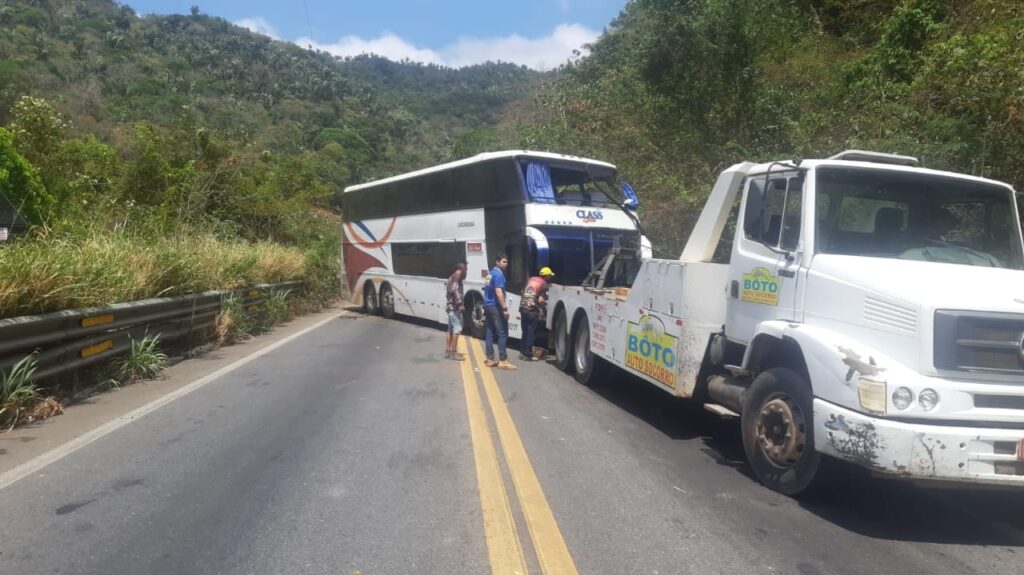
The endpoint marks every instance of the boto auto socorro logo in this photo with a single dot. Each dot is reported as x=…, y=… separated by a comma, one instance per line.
x=651, y=351
x=589, y=216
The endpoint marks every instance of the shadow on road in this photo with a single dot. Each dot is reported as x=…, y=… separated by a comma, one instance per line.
x=849, y=497
x=891, y=509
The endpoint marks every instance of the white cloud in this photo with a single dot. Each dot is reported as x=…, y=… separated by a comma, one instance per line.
x=538, y=53
x=258, y=25
x=388, y=45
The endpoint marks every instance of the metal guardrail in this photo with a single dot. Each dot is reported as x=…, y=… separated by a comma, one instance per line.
x=68, y=340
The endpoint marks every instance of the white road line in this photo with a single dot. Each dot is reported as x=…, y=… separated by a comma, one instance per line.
x=58, y=453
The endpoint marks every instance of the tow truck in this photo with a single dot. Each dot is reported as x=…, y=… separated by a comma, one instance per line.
x=870, y=310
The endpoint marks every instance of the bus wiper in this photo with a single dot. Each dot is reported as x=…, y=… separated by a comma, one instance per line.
x=615, y=198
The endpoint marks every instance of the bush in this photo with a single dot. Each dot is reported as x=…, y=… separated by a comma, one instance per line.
x=17, y=393
x=144, y=360
x=56, y=271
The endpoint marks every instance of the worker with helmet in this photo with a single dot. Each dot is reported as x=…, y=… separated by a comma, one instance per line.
x=532, y=308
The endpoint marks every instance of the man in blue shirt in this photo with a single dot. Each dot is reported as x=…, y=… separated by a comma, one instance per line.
x=496, y=316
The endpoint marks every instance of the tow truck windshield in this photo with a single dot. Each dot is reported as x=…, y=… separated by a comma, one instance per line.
x=911, y=216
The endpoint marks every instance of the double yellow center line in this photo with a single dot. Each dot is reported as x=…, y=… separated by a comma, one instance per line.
x=504, y=548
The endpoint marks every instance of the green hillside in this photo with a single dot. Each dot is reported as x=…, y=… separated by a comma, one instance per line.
x=142, y=130
x=676, y=90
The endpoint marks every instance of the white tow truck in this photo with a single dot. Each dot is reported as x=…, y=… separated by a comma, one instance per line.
x=871, y=310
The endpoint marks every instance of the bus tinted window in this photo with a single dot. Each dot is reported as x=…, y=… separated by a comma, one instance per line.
x=476, y=185
x=429, y=259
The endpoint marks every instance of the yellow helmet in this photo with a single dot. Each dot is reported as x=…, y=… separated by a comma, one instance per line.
x=546, y=272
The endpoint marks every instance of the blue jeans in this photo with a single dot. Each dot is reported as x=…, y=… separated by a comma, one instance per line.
x=496, y=325
x=530, y=320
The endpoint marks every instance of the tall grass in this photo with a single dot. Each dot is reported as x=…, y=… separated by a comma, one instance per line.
x=53, y=271
x=145, y=360
x=17, y=392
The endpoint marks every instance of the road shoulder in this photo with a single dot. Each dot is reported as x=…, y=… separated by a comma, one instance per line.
x=26, y=443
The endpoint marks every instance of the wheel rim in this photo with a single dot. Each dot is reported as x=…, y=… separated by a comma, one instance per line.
x=479, y=319
x=388, y=297
x=583, y=348
x=781, y=430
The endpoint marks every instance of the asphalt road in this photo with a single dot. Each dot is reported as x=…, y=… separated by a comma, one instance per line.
x=352, y=449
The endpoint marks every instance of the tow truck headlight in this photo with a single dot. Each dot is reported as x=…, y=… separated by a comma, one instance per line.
x=872, y=394
x=902, y=398
x=928, y=399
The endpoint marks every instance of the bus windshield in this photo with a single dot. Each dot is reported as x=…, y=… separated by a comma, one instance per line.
x=585, y=185
x=913, y=216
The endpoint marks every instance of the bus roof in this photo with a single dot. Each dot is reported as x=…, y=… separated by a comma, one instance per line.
x=483, y=158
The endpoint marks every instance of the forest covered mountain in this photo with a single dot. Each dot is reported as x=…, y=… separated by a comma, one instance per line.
x=163, y=125
x=121, y=132
x=676, y=90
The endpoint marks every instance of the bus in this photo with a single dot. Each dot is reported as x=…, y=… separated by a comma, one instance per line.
x=403, y=235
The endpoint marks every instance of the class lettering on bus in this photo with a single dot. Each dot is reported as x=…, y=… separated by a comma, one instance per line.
x=402, y=236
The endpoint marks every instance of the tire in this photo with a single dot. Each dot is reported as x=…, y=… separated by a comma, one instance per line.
x=387, y=301
x=561, y=342
x=778, y=431
x=588, y=369
x=474, y=321
x=370, y=306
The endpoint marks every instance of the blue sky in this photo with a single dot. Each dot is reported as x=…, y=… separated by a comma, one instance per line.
x=537, y=33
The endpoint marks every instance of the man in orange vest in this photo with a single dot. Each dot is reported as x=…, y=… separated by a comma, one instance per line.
x=531, y=309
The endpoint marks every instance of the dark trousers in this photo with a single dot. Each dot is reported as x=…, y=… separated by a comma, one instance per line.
x=531, y=318
x=496, y=327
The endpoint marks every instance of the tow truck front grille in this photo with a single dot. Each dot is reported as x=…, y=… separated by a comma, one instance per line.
x=979, y=341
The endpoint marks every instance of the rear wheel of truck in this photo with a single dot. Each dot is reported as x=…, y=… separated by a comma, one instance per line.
x=778, y=431
x=561, y=343
x=387, y=301
x=369, y=299
x=588, y=369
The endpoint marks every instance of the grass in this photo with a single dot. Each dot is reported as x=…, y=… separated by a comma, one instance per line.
x=54, y=272
x=234, y=323
x=17, y=393
x=144, y=360
x=277, y=307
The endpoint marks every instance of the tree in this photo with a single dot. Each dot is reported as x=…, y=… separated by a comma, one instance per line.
x=38, y=127
x=20, y=183
x=194, y=10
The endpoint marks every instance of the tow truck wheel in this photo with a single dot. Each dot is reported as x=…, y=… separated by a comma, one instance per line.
x=562, y=345
x=778, y=431
x=387, y=301
x=369, y=299
x=588, y=369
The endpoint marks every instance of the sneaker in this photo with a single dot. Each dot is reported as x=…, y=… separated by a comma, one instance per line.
x=447, y=354
x=490, y=363
x=457, y=356
x=506, y=364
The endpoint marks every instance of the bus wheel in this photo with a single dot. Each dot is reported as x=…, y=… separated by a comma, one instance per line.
x=778, y=431
x=475, y=320
x=563, y=348
x=369, y=299
x=387, y=301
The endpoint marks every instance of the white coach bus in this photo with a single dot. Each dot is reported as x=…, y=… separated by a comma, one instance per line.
x=403, y=235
